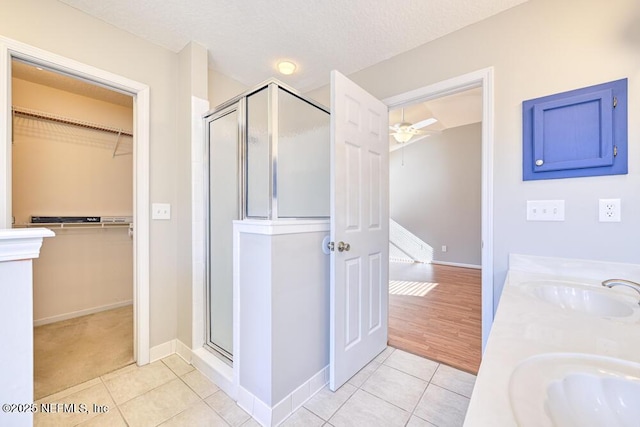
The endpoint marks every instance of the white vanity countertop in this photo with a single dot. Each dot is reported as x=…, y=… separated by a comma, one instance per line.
x=526, y=325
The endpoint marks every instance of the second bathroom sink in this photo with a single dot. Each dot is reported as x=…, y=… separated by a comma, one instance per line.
x=582, y=298
x=575, y=390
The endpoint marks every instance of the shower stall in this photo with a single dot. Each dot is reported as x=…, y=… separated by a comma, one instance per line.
x=267, y=156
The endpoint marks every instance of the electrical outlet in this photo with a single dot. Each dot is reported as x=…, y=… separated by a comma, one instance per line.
x=160, y=211
x=444, y=248
x=610, y=210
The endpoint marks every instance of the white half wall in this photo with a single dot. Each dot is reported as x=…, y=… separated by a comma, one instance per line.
x=17, y=248
x=281, y=323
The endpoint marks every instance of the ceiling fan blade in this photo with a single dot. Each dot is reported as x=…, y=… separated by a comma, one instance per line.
x=424, y=123
x=429, y=132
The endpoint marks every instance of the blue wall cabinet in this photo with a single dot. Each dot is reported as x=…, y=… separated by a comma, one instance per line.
x=578, y=133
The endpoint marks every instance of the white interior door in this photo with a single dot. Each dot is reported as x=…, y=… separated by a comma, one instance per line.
x=359, y=228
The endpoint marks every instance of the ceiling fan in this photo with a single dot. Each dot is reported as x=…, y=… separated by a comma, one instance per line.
x=402, y=132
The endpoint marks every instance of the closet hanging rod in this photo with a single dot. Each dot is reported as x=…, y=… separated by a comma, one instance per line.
x=58, y=119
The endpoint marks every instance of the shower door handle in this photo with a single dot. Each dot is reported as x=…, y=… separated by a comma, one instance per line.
x=342, y=246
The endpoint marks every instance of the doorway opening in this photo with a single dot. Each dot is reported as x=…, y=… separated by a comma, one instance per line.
x=434, y=198
x=472, y=266
x=10, y=50
x=72, y=170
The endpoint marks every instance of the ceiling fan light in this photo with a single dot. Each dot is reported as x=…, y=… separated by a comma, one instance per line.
x=402, y=136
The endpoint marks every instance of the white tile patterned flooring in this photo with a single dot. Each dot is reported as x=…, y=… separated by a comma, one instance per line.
x=395, y=389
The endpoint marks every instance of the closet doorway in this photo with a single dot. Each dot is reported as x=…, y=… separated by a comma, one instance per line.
x=72, y=171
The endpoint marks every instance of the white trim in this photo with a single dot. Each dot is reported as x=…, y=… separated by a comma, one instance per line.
x=273, y=416
x=10, y=48
x=162, y=350
x=170, y=347
x=457, y=264
x=272, y=228
x=17, y=245
x=216, y=370
x=481, y=78
x=183, y=351
x=79, y=313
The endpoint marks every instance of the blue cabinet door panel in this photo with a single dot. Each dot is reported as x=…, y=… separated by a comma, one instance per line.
x=582, y=132
x=574, y=132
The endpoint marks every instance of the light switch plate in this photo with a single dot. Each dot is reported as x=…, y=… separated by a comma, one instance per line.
x=160, y=211
x=545, y=210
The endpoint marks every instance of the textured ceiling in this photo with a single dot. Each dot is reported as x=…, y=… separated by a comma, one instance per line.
x=246, y=39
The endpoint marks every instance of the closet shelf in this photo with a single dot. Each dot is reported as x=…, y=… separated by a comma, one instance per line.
x=25, y=112
x=83, y=225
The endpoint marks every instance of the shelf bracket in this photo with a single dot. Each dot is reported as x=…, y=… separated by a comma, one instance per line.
x=115, y=147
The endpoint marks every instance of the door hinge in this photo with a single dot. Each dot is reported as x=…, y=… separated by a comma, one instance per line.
x=615, y=101
x=615, y=150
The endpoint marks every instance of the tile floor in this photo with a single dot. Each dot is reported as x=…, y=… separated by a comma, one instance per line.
x=396, y=389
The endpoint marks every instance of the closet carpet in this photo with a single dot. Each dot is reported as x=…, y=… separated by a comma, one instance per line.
x=73, y=351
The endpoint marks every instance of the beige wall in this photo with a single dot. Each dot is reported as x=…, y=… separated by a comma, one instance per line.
x=55, y=27
x=66, y=170
x=223, y=88
x=70, y=171
x=539, y=48
x=82, y=271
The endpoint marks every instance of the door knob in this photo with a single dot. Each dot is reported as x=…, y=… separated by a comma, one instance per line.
x=342, y=246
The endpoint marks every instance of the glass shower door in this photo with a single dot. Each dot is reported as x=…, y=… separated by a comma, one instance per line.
x=224, y=201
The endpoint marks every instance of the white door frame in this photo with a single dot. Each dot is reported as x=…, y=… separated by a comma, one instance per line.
x=13, y=49
x=481, y=78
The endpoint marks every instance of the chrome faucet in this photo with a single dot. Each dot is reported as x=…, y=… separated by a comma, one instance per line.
x=621, y=282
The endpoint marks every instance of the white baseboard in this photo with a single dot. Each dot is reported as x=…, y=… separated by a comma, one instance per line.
x=273, y=416
x=457, y=264
x=171, y=347
x=79, y=313
x=184, y=351
x=161, y=351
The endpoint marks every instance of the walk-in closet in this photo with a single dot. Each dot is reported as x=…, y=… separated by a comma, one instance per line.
x=72, y=172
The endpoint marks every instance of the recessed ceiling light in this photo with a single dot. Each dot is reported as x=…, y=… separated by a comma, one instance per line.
x=286, y=67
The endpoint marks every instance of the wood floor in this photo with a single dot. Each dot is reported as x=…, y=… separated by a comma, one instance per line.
x=445, y=324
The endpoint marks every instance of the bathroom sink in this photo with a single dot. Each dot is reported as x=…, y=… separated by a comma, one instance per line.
x=583, y=298
x=565, y=389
